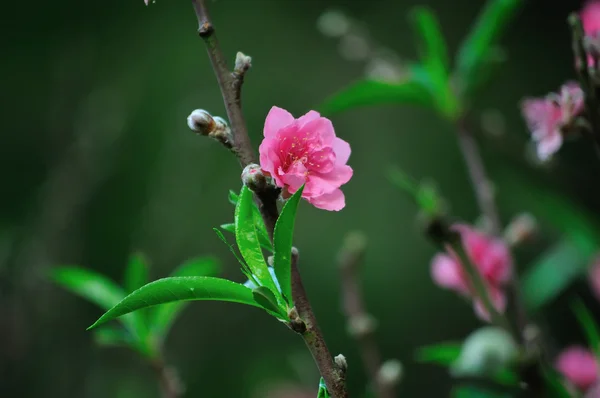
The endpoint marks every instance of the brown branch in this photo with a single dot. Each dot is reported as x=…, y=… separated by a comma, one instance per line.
x=484, y=191
x=334, y=377
x=487, y=205
x=360, y=324
x=230, y=85
x=170, y=384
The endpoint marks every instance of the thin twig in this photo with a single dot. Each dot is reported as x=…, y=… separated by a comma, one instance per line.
x=230, y=84
x=334, y=377
x=360, y=324
x=585, y=79
x=170, y=384
x=487, y=205
x=484, y=191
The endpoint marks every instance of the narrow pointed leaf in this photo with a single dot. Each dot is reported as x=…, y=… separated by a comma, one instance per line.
x=553, y=272
x=136, y=273
x=434, y=57
x=266, y=298
x=261, y=229
x=164, y=316
x=441, y=354
x=476, y=52
x=372, y=92
x=228, y=227
x=588, y=325
x=99, y=290
x=233, y=197
x=248, y=242
x=283, y=237
x=168, y=290
x=323, y=392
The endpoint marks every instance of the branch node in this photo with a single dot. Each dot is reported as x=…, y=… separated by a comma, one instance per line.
x=341, y=363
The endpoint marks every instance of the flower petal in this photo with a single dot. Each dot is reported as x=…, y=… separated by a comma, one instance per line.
x=277, y=119
x=498, y=301
x=342, y=151
x=446, y=272
x=579, y=366
x=333, y=201
x=320, y=127
x=310, y=115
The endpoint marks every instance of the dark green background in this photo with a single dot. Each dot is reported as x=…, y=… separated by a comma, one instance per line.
x=97, y=161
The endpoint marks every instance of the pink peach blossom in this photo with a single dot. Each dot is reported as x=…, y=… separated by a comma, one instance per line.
x=306, y=151
x=579, y=366
x=590, y=17
x=491, y=258
x=547, y=117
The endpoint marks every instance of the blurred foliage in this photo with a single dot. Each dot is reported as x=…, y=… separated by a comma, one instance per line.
x=105, y=167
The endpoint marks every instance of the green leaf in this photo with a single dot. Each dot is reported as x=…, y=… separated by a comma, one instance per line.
x=373, y=92
x=261, y=229
x=163, y=316
x=588, y=324
x=233, y=197
x=476, y=392
x=266, y=298
x=107, y=336
x=228, y=227
x=282, y=242
x=476, y=54
x=101, y=291
x=323, y=392
x=554, y=384
x=434, y=57
x=168, y=290
x=248, y=242
x=553, y=272
x=444, y=354
x=136, y=273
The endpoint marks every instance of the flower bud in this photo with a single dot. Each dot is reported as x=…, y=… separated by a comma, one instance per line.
x=201, y=122
x=521, y=229
x=362, y=325
x=253, y=178
x=340, y=361
x=390, y=372
x=243, y=62
x=485, y=352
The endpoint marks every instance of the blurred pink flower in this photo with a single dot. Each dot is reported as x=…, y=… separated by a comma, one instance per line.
x=306, y=151
x=579, y=366
x=590, y=17
x=546, y=117
x=489, y=255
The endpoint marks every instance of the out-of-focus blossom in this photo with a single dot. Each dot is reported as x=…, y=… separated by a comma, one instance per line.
x=490, y=256
x=594, y=276
x=306, y=151
x=579, y=366
x=548, y=117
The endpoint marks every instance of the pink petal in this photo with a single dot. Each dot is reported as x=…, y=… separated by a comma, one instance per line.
x=590, y=17
x=310, y=115
x=549, y=145
x=269, y=161
x=447, y=273
x=342, y=150
x=333, y=201
x=295, y=177
x=276, y=119
x=320, y=127
x=326, y=183
x=498, y=301
x=579, y=366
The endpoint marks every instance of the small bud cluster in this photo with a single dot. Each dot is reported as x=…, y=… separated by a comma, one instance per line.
x=203, y=123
